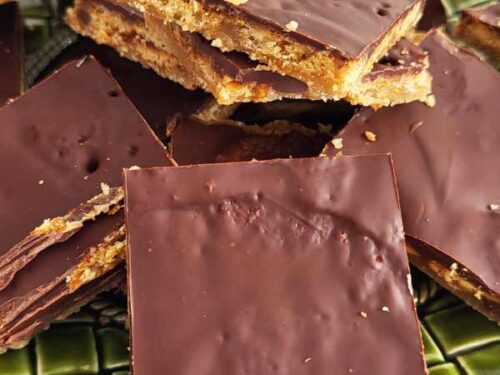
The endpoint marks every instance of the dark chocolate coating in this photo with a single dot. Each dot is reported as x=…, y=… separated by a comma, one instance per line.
x=446, y=159
x=269, y=268
x=156, y=98
x=194, y=142
x=10, y=52
x=434, y=15
x=489, y=15
x=58, y=142
x=349, y=26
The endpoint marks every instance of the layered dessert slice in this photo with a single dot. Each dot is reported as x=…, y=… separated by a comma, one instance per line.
x=481, y=28
x=291, y=266
x=11, y=51
x=233, y=77
x=444, y=158
x=64, y=146
x=329, y=45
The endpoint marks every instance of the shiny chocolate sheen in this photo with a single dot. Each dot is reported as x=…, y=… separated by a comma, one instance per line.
x=349, y=26
x=10, y=52
x=277, y=267
x=490, y=15
x=194, y=142
x=446, y=158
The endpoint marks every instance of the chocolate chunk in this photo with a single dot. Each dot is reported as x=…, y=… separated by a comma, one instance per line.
x=286, y=266
x=445, y=159
x=10, y=51
x=434, y=15
x=195, y=142
x=59, y=143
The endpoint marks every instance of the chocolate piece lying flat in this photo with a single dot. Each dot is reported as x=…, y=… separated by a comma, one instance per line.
x=59, y=143
x=10, y=51
x=291, y=266
x=481, y=28
x=156, y=98
x=195, y=142
x=445, y=159
x=232, y=77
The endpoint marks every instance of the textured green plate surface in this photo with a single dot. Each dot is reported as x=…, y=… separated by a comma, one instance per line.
x=458, y=341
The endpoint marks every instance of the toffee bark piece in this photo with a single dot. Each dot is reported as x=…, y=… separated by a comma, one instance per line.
x=231, y=77
x=10, y=51
x=283, y=265
x=64, y=145
x=481, y=28
x=312, y=41
x=195, y=142
x=444, y=158
x=156, y=98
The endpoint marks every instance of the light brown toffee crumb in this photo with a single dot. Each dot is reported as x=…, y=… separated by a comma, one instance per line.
x=292, y=26
x=237, y=2
x=385, y=309
x=337, y=143
x=372, y=137
x=363, y=314
x=307, y=360
x=494, y=207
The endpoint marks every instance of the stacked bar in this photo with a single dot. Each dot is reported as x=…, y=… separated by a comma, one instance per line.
x=10, y=51
x=64, y=145
x=248, y=53
x=481, y=28
x=443, y=158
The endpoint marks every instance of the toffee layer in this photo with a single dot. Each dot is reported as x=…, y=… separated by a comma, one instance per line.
x=480, y=27
x=309, y=40
x=231, y=77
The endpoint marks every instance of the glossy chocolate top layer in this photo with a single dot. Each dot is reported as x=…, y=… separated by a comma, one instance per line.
x=10, y=52
x=291, y=267
x=489, y=15
x=445, y=158
x=194, y=142
x=61, y=140
x=156, y=98
x=349, y=26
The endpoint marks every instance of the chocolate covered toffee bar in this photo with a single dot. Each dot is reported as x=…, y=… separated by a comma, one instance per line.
x=329, y=45
x=288, y=266
x=64, y=145
x=194, y=142
x=233, y=77
x=446, y=160
x=481, y=27
x=10, y=51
